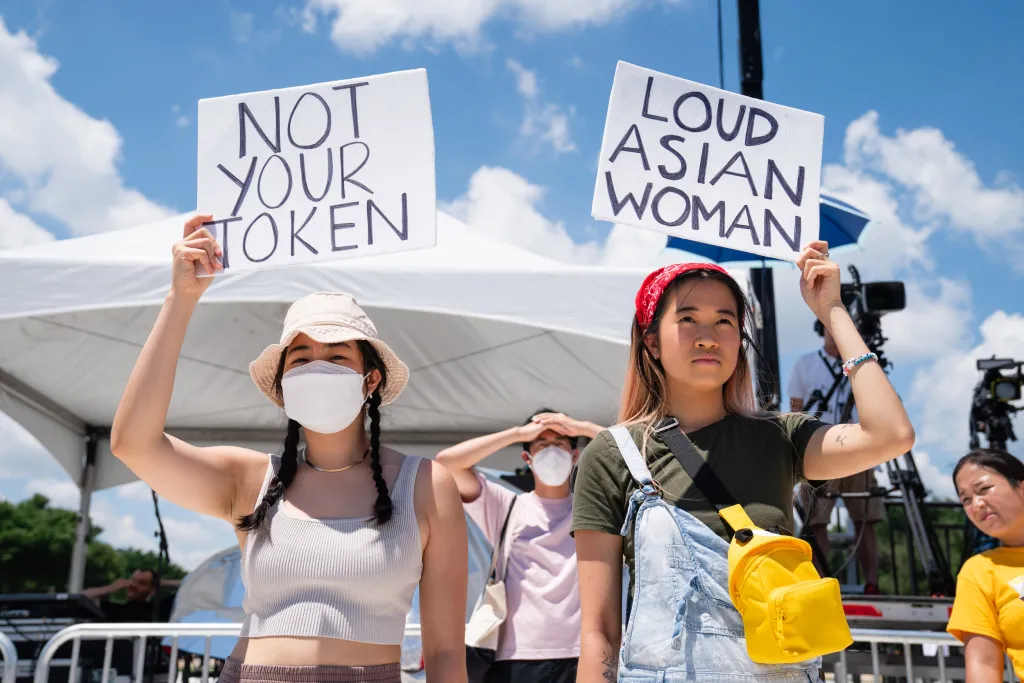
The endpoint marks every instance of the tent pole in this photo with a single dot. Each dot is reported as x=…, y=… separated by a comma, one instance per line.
x=76, y=580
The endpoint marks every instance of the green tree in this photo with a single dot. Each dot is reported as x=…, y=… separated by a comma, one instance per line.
x=36, y=541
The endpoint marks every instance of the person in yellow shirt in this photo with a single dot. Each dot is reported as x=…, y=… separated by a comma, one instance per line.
x=988, y=612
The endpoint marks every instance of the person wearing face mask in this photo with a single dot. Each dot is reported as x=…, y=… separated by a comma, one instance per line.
x=988, y=611
x=539, y=640
x=337, y=531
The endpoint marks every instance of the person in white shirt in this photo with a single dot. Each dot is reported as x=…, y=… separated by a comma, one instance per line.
x=817, y=386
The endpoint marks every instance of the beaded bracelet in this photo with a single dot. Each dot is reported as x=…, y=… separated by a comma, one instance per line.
x=849, y=365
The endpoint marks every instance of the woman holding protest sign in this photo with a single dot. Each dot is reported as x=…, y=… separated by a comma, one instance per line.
x=691, y=443
x=338, y=530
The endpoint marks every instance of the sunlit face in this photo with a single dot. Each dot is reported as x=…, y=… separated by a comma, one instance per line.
x=140, y=586
x=698, y=339
x=991, y=502
x=304, y=350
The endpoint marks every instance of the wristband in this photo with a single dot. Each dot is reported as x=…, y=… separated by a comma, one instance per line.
x=849, y=365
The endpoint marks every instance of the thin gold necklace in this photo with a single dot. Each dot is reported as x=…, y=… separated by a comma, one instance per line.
x=334, y=469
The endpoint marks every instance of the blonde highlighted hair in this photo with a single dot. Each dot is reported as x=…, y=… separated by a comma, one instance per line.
x=645, y=391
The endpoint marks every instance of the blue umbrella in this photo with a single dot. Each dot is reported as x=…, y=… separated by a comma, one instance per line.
x=842, y=225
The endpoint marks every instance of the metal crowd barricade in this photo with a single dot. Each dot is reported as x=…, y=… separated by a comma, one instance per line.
x=10, y=659
x=907, y=639
x=141, y=632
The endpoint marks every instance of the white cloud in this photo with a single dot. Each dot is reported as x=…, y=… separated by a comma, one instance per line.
x=944, y=184
x=506, y=206
x=241, y=25
x=181, y=121
x=930, y=325
x=943, y=390
x=576, y=62
x=18, y=230
x=542, y=121
x=137, y=491
x=939, y=483
x=64, y=160
x=362, y=26
x=61, y=492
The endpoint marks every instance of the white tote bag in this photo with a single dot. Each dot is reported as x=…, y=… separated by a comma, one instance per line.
x=491, y=608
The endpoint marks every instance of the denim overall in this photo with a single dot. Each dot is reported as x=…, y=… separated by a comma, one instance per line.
x=682, y=625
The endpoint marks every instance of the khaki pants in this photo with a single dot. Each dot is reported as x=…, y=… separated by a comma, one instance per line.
x=819, y=509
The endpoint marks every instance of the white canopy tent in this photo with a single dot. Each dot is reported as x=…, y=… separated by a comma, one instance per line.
x=490, y=333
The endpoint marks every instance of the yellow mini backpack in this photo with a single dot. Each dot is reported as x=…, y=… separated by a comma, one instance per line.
x=790, y=614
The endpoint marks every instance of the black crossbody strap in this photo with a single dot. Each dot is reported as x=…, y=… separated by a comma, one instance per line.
x=498, y=546
x=700, y=472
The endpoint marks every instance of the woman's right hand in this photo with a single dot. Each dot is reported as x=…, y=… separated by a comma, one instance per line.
x=197, y=246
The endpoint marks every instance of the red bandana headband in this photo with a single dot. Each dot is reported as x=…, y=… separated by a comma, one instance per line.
x=655, y=284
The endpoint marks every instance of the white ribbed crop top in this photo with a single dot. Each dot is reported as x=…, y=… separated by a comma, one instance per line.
x=334, y=578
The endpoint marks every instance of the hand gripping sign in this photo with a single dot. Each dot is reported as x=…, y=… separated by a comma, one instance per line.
x=328, y=171
x=709, y=165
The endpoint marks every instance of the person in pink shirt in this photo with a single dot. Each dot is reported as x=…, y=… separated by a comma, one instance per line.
x=540, y=639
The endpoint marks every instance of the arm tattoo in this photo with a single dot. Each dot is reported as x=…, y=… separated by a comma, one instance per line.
x=841, y=438
x=611, y=665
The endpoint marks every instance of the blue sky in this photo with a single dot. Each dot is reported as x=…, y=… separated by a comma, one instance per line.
x=921, y=101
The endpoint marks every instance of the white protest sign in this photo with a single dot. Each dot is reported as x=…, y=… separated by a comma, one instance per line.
x=709, y=165
x=326, y=171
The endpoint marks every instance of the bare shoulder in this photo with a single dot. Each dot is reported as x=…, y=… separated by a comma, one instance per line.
x=435, y=488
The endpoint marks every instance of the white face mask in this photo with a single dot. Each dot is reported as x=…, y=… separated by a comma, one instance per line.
x=552, y=465
x=322, y=396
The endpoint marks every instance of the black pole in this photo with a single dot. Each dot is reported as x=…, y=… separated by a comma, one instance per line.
x=751, y=78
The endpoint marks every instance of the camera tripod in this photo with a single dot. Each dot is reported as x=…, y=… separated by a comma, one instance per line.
x=904, y=478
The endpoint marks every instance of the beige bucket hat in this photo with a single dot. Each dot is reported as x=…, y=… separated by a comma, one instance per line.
x=329, y=318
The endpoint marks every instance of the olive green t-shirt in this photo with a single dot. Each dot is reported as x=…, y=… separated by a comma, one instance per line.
x=758, y=460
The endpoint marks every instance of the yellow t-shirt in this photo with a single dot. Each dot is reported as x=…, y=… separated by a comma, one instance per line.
x=990, y=601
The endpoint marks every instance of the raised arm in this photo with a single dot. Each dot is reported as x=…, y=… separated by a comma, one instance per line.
x=444, y=578
x=599, y=558
x=460, y=458
x=884, y=431
x=204, y=480
x=103, y=591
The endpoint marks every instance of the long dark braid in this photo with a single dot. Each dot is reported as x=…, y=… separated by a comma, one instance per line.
x=383, y=508
x=281, y=481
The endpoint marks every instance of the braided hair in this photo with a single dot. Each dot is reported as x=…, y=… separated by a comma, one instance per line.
x=383, y=508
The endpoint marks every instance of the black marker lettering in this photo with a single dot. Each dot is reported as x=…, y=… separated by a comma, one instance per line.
x=295, y=233
x=702, y=171
x=774, y=172
x=336, y=226
x=647, y=101
x=244, y=113
x=351, y=87
x=655, y=211
x=223, y=240
x=707, y=112
x=305, y=184
x=773, y=128
x=674, y=175
x=245, y=238
x=617, y=206
x=700, y=212
x=770, y=221
x=746, y=171
x=403, y=234
x=639, y=149
x=731, y=135
x=327, y=125
x=347, y=177
x=259, y=183
x=749, y=225
x=242, y=184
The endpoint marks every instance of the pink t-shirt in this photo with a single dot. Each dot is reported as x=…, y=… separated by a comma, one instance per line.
x=541, y=582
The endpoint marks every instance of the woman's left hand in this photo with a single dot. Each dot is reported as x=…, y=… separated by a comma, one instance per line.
x=819, y=281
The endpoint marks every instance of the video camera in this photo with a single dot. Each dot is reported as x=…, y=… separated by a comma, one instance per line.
x=991, y=410
x=867, y=302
